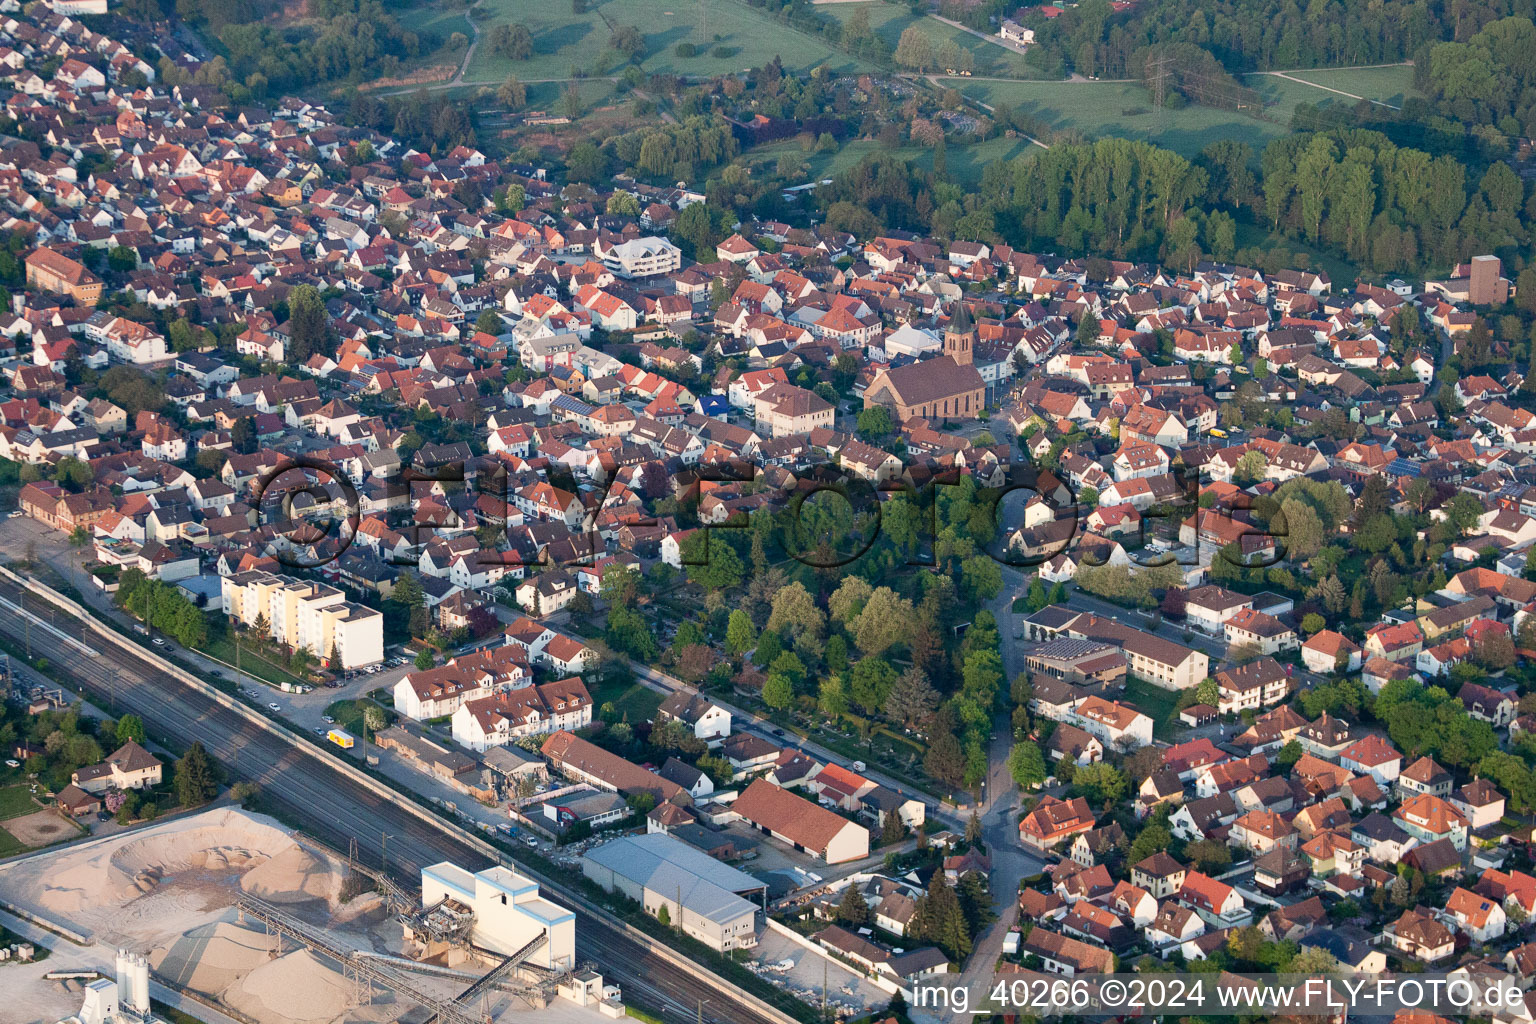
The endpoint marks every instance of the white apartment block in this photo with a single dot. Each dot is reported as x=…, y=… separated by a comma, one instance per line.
x=315, y=617
x=642, y=257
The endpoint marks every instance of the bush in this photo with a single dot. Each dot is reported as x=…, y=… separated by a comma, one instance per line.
x=686, y=50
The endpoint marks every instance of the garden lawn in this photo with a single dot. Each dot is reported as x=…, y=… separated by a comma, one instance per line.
x=635, y=703
x=16, y=801
x=10, y=845
x=1154, y=702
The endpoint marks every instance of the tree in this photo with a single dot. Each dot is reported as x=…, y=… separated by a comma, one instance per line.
x=740, y=634
x=1026, y=764
x=1313, y=960
x=940, y=919
x=1313, y=623
x=871, y=682
x=1289, y=755
x=778, y=691
x=512, y=94
x=848, y=600
x=490, y=322
x=623, y=204
x=853, y=909
x=722, y=568
x=875, y=423
x=664, y=915
x=912, y=698
x=1209, y=855
x=515, y=42
x=1208, y=692
x=832, y=697
x=1154, y=837
x=308, y=322
x=914, y=49
x=373, y=721
x=130, y=729
x=885, y=621
x=425, y=659
x=1101, y=782
x=197, y=779
x=945, y=760
x=795, y=609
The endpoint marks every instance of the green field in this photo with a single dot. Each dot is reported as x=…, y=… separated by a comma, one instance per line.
x=10, y=845
x=251, y=663
x=16, y=801
x=1390, y=84
x=567, y=44
x=1123, y=109
x=965, y=162
x=889, y=21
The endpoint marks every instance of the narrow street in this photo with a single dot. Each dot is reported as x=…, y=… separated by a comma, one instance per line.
x=1001, y=802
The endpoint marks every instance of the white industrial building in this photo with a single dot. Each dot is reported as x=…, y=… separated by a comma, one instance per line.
x=705, y=898
x=121, y=1001
x=509, y=913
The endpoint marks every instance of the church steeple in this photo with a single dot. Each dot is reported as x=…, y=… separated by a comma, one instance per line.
x=960, y=335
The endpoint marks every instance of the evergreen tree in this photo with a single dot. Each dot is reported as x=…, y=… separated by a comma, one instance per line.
x=893, y=831
x=853, y=909
x=940, y=919
x=197, y=779
x=975, y=901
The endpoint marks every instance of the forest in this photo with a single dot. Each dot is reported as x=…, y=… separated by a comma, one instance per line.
x=1254, y=35
x=1386, y=207
x=339, y=40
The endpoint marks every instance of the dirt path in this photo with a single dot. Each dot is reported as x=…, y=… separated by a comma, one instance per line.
x=474, y=41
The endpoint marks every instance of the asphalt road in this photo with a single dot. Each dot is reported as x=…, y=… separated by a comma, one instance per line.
x=335, y=810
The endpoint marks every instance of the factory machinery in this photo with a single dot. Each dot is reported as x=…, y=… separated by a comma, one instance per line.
x=447, y=925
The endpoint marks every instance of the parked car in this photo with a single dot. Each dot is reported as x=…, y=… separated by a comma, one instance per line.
x=16, y=514
x=11, y=762
x=531, y=842
x=327, y=719
x=274, y=706
x=158, y=641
